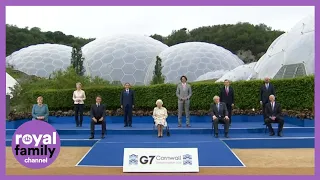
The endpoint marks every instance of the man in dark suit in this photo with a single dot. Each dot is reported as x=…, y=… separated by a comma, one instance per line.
x=127, y=104
x=266, y=90
x=274, y=115
x=98, y=113
x=227, y=96
x=219, y=114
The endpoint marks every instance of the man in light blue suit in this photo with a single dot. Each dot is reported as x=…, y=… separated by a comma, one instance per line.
x=184, y=93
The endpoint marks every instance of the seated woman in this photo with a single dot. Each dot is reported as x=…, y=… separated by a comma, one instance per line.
x=160, y=115
x=40, y=111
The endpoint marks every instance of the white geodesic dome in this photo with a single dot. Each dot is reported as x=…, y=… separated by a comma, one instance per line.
x=194, y=59
x=212, y=75
x=125, y=58
x=41, y=60
x=291, y=54
x=243, y=72
x=10, y=83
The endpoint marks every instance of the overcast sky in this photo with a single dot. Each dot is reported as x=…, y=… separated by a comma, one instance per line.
x=93, y=22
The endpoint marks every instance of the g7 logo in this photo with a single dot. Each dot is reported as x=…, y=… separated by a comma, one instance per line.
x=146, y=159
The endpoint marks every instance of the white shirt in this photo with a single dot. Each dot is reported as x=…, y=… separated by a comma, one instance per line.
x=267, y=85
x=79, y=97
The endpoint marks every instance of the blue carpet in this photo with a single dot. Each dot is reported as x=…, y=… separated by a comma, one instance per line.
x=244, y=120
x=212, y=152
x=242, y=141
x=245, y=132
x=270, y=143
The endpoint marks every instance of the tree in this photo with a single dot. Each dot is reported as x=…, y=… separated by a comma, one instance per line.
x=157, y=37
x=77, y=60
x=158, y=78
x=18, y=38
x=246, y=56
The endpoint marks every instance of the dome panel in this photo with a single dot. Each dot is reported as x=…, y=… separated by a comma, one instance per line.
x=211, y=75
x=243, y=72
x=198, y=57
x=119, y=51
x=291, y=54
x=10, y=83
x=41, y=60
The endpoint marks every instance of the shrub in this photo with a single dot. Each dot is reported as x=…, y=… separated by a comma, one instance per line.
x=294, y=94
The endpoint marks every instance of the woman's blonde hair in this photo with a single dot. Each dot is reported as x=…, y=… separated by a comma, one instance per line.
x=79, y=84
x=159, y=101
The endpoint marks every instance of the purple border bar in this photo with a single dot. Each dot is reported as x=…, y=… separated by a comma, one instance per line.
x=160, y=3
x=147, y=3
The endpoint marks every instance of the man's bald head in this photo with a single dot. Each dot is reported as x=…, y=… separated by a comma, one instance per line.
x=266, y=80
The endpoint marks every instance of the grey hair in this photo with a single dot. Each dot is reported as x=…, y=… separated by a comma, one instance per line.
x=216, y=97
x=159, y=101
x=272, y=96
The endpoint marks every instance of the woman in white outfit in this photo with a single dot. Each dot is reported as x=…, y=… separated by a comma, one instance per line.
x=160, y=115
x=78, y=97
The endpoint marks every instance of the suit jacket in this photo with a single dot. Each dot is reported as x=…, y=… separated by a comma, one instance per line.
x=98, y=112
x=277, y=111
x=227, y=98
x=223, y=111
x=265, y=93
x=183, y=92
x=127, y=99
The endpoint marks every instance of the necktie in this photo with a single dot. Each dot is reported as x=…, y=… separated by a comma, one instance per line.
x=227, y=90
x=97, y=105
x=273, y=106
x=127, y=91
x=267, y=86
x=218, y=107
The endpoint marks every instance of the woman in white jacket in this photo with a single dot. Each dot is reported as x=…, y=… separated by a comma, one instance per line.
x=78, y=97
x=160, y=115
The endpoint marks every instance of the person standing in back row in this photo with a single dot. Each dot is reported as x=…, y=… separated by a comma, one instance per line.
x=227, y=96
x=127, y=104
x=78, y=97
x=184, y=94
x=266, y=90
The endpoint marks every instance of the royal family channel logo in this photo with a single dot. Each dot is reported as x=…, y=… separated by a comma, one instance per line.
x=36, y=144
x=187, y=159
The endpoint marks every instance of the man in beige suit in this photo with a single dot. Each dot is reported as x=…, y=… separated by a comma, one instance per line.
x=184, y=94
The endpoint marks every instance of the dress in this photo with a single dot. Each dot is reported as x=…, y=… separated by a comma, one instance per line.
x=160, y=115
x=40, y=111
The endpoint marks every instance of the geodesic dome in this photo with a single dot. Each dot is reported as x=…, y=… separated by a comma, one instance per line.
x=243, y=72
x=124, y=58
x=194, y=59
x=211, y=75
x=41, y=60
x=10, y=83
x=291, y=54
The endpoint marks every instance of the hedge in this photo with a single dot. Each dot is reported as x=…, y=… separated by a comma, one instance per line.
x=293, y=94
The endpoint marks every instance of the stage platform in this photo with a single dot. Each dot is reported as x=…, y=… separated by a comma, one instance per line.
x=212, y=152
x=246, y=132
